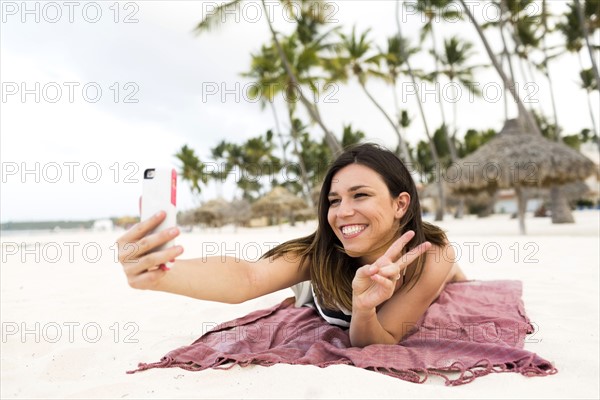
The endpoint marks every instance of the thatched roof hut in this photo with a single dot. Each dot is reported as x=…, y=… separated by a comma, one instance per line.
x=239, y=212
x=212, y=213
x=277, y=202
x=516, y=158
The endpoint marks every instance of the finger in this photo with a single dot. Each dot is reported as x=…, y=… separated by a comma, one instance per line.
x=413, y=254
x=382, y=280
x=142, y=228
x=152, y=260
x=390, y=271
x=150, y=242
x=140, y=205
x=395, y=250
x=132, y=251
x=366, y=270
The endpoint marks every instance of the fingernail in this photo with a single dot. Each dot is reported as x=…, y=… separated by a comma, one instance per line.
x=173, y=231
x=158, y=214
x=164, y=267
x=173, y=260
x=373, y=268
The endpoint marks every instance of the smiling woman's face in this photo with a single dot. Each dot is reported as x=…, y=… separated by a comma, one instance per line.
x=362, y=213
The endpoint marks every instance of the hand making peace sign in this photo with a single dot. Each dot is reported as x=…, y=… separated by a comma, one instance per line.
x=375, y=283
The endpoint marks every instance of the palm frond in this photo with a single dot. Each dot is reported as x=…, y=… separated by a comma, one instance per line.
x=215, y=18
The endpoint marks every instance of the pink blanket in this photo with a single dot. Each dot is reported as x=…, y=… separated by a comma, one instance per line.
x=473, y=328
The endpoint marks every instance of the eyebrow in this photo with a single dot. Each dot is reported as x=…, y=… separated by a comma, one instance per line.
x=352, y=189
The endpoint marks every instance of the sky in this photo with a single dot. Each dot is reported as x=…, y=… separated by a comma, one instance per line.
x=95, y=92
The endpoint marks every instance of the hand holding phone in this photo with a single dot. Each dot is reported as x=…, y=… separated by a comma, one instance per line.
x=159, y=193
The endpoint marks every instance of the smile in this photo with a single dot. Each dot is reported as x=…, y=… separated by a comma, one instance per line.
x=350, y=231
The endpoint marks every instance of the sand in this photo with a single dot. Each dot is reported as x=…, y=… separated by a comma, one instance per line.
x=71, y=326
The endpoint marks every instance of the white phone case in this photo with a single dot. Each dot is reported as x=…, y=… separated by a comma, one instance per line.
x=160, y=193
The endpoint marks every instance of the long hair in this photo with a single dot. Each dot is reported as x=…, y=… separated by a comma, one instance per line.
x=331, y=269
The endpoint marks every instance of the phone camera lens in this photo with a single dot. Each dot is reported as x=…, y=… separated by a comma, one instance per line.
x=149, y=173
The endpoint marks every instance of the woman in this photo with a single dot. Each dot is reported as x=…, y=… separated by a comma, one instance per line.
x=374, y=266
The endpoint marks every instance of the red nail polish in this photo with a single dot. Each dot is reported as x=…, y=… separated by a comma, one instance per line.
x=164, y=267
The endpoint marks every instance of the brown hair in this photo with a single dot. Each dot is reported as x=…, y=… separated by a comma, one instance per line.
x=331, y=269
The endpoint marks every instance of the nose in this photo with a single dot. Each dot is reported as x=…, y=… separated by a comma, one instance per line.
x=345, y=209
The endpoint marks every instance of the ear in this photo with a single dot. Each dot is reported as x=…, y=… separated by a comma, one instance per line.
x=401, y=204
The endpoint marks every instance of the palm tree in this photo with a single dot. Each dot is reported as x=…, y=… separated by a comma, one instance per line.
x=544, y=66
x=508, y=82
x=455, y=55
x=394, y=62
x=265, y=86
x=571, y=30
x=297, y=129
x=439, y=214
x=589, y=84
x=192, y=169
x=524, y=32
x=432, y=10
x=354, y=58
x=219, y=155
x=219, y=14
x=593, y=7
x=302, y=57
x=453, y=59
x=332, y=141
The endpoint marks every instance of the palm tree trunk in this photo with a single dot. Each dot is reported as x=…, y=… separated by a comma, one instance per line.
x=547, y=70
x=507, y=81
x=522, y=207
x=439, y=214
x=506, y=53
x=584, y=31
x=490, y=205
x=279, y=134
x=445, y=129
x=508, y=58
x=401, y=142
x=522, y=60
x=303, y=175
x=505, y=98
x=437, y=72
x=460, y=210
x=405, y=155
x=331, y=140
x=561, y=212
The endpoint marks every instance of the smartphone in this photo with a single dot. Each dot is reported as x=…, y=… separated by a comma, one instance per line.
x=159, y=192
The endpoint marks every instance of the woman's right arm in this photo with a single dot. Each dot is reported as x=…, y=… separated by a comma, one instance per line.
x=222, y=279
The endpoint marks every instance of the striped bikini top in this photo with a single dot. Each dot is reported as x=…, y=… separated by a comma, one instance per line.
x=340, y=318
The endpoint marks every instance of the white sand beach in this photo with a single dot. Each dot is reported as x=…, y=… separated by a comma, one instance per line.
x=71, y=326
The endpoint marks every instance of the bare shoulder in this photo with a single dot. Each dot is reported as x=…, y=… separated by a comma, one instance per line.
x=440, y=257
x=437, y=271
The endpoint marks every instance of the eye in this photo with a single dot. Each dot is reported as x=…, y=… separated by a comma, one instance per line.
x=357, y=195
x=333, y=201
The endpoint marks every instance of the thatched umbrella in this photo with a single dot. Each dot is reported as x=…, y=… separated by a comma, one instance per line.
x=212, y=213
x=238, y=212
x=277, y=202
x=517, y=159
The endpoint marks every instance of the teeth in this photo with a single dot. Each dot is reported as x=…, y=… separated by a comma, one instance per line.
x=353, y=229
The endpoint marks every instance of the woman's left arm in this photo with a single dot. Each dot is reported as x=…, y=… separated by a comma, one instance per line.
x=399, y=315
